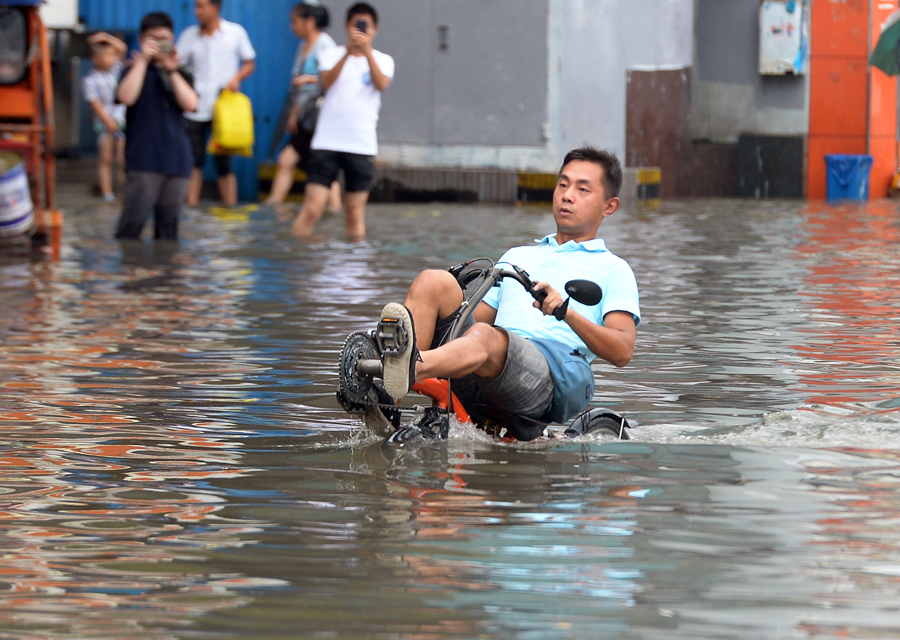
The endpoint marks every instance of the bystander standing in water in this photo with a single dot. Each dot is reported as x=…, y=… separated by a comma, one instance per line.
x=307, y=23
x=158, y=157
x=353, y=77
x=220, y=56
x=99, y=88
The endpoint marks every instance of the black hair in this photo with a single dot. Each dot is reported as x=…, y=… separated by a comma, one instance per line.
x=217, y=3
x=320, y=13
x=362, y=8
x=155, y=20
x=612, y=168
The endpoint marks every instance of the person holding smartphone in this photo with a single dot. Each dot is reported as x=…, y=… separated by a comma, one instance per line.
x=156, y=92
x=353, y=77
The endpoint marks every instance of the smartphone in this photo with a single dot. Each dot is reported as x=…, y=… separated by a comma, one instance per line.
x=165, y=46
x=362, y=25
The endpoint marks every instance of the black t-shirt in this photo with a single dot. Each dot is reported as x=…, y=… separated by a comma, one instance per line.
x=155, y=138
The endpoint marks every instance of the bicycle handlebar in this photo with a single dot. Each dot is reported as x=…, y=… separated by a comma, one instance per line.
x=496, y=275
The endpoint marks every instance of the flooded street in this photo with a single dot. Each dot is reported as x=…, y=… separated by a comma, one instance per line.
x=174, y=463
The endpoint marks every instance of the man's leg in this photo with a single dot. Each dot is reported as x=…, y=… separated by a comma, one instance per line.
x=140, y=196
x=322, y=170
x=524, y=386
x=355, y=213
x=509, y=371
x=284, y=176
x=227, y=181
x=334, y=197
x=198, y=132
x=168, y=208
x=433, y=296
x=228, y=189
x=481, y=350
x=358, y=173
x=314, y=198
x=195, y=186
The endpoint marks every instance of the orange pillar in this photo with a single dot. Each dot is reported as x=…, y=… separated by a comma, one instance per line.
x=882, y=112
x=852, y=107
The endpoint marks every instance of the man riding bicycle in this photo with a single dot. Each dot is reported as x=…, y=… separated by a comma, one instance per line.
x=523, y=356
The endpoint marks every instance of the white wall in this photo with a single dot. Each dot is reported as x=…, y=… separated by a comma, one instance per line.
x=590, y=46
x=60, y=14
x=597, y=42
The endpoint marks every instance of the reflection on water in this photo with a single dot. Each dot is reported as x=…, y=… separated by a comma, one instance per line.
x=173, y=462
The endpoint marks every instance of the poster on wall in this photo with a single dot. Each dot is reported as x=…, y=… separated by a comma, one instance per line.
x=782, y=38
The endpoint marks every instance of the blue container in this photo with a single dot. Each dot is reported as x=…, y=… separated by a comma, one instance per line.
x=848, y=176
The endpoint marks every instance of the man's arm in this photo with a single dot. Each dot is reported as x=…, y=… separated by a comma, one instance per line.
x=130, y=86
x=247, y=67
x=361, y=42
x=247, y=55
x=379, y=80
x=184, y=93
x=613, y=340
x=484, y=313
x=329, y=77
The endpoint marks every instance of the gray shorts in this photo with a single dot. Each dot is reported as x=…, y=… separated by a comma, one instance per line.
x=524, y=387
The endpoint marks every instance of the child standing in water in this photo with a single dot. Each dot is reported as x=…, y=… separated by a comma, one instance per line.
x=99, y=87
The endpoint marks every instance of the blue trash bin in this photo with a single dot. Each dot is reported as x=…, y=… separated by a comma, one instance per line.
x=848, y=176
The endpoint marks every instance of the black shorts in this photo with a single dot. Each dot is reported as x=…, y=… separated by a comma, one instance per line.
x=198, y=132
x=324, y=166
x=301, y=141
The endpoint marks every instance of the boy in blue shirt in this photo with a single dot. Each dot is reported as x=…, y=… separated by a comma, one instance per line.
x=497, y=361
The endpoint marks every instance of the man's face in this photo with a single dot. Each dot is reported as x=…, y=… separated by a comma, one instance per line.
x=205, y=11
x=579, y=199
x=370, y=29
x=162, y=35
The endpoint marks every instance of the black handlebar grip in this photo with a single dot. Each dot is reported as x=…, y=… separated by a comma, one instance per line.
x=560, y=312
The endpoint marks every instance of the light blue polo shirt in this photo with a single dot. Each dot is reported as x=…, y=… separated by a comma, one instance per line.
x=549, y=262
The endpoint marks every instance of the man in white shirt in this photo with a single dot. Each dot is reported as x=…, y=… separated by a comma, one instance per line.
x=220, y=56
x=353, y=78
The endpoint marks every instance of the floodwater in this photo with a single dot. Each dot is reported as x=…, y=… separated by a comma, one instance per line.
x=173, y=462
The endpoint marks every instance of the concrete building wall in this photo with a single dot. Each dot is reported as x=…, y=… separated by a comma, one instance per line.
x=598, y=42
x=729, y=96
x=470, y=88
x=513, y=84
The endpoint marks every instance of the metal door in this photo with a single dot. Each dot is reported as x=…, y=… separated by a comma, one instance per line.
x=490, y=72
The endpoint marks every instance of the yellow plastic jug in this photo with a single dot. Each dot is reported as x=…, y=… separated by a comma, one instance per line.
x=232, y=127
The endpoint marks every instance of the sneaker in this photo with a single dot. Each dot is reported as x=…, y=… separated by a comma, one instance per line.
x=396, y=338
x=108, y=197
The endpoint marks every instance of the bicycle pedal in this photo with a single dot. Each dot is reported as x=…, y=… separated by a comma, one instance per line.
x=391, y=337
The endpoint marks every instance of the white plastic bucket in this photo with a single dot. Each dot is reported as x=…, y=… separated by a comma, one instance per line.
x=16, y=208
